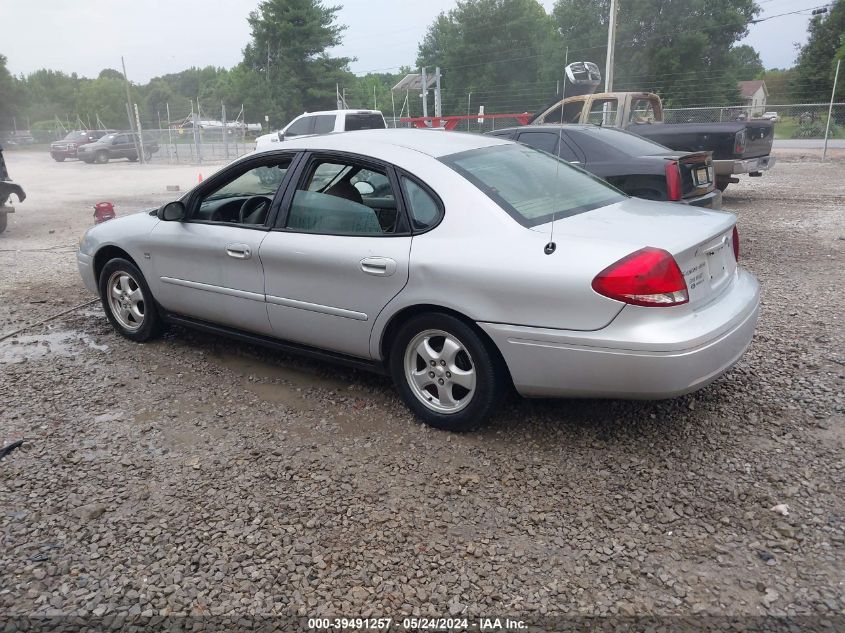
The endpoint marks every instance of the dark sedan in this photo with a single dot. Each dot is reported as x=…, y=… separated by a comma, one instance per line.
x=637, y=166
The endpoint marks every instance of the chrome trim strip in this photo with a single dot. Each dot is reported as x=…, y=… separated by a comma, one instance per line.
x=232, y=292
x=316, y=307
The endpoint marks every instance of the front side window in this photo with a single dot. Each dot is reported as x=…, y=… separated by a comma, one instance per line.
x=300, y=126
x=324, y=123
x=533, y=187
x=346, y=198
x=642, y=111
x=246, y=198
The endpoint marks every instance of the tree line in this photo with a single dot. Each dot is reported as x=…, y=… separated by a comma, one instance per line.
x=506, y=54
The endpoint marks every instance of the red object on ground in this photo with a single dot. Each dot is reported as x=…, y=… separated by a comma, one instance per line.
x=103, y=211
x=451, y=122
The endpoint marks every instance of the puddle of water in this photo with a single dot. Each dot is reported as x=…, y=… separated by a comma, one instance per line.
x=64, y=343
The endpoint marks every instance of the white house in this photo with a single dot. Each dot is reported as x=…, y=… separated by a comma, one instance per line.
x=754, y=95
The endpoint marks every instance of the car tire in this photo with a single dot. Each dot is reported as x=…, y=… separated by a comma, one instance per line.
x=59, y=159
x=722, y=183
x=101, y=157
x=4, y=220
x=147, y=156
x=428, y=380
x=135, y=316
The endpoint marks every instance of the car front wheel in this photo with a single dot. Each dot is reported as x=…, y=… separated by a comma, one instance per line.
x=446, y=373
x=128, y=302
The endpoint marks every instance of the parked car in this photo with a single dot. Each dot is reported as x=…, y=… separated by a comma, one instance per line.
x=738, y=147
x=324, y=122
x=637, y=166
x=7, y=188
x=68, y=147
x=117, y=145
x=429, y=256
x=774, y=117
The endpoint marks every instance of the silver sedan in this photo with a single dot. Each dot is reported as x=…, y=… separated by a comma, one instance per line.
x=462, y=265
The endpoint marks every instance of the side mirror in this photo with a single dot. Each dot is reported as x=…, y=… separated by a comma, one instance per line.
x=172, y=212
x=364, y=188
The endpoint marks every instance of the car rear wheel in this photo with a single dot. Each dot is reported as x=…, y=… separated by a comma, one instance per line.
x=722, y=183
x=59, y=159
x=446, y=373
x=4, y=218
x=128, y=302
x=101, y=157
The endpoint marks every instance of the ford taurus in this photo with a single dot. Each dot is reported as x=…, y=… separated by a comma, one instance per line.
x=459, y=264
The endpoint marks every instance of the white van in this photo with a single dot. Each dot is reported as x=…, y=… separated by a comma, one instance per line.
x=324, y=122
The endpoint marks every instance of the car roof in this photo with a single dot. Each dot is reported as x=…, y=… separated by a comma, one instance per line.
x=356, y=111
x=435, y=143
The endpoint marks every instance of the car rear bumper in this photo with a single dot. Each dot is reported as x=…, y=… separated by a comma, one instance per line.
x=645, y=353
x=712, y=200
x=85, y=263
x=747, y=166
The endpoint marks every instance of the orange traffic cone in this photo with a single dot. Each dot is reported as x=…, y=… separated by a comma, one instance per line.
x=199, y=177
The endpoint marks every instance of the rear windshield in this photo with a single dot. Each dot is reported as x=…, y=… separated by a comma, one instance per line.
x=364, y=122
x=624, y=142
x=532, y=186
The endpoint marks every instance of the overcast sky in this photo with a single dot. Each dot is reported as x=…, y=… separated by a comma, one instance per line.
x=158, y=37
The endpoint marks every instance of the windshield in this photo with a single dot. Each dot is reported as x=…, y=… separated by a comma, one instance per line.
x=76, y=136
x=107, y=138
x=532, y=186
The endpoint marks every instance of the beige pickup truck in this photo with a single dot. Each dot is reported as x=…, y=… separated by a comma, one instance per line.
x=738, y=147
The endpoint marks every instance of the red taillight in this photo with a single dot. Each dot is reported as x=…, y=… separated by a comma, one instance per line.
x=735, y=242
x=673, y=180
x=649, y=277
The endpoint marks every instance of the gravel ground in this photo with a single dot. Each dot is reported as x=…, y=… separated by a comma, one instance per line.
x=199, y=476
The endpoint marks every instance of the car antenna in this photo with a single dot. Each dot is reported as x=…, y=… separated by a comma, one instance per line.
x=551, y=247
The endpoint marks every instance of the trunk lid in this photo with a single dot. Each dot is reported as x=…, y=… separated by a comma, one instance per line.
x=697, y=178
x=698, y=239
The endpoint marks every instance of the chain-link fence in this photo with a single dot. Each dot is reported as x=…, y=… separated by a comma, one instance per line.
x=803, y=120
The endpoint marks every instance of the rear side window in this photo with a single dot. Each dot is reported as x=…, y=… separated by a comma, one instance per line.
x=424, y=209
x=324, y=123
x=533, y=187
x=620, y=141
x=364, y=122
x=544, y=141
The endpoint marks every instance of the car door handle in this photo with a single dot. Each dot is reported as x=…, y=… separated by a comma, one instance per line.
x=238, y=251
x=382, y=266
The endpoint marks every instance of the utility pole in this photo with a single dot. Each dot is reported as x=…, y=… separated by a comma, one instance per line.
x=830, y=109
x=438, y=109
x=424, y=92
x=140, y=141
x=611, y=44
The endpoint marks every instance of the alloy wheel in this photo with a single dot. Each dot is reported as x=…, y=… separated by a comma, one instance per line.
x=440, y=371
x=126, y=300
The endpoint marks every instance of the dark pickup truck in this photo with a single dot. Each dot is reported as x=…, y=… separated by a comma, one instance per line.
x=738, y=147
x=7, y=188
x=116, y=145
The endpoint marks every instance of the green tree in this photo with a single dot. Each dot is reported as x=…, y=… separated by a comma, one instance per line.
x=680, y=49
x=496, y=49
x=10, y=96
x=105, y=98
x=745, y=62
x=288, y=50
x=817, y=60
